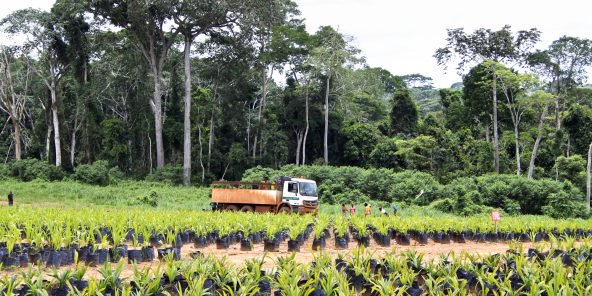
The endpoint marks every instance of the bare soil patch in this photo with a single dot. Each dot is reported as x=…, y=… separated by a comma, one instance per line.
x=431, y=251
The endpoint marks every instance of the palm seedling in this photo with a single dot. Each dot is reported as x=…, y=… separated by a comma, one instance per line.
x=111, y=278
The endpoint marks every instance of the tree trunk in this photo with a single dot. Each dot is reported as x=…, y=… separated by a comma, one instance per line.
x=535, y=149
x=589, y=179
x=211, y=140
x=203, y=170
x=307, y=126
x=557, y=121
x=17, y=138
x=157, y=111
x=495, y=131
x=48, y=140
x=487, y=134
x=517, y=143
x=150, y=152
x=56, y=127
x=299, y=136
x=326, y=136
x=73, y=146
x=187, y=119
x=260, y=113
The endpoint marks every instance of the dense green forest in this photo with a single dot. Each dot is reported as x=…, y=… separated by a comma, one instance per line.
x=192, y=92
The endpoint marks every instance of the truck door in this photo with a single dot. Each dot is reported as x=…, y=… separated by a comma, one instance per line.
x=291, y=191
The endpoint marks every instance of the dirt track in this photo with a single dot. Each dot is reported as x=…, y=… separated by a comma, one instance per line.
x=431, y=251
x=236, y=256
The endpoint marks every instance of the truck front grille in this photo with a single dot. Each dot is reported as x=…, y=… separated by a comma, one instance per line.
x=310, y=204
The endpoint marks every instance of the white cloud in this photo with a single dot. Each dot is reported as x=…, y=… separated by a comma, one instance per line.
x=9, y=6
x=401, y=36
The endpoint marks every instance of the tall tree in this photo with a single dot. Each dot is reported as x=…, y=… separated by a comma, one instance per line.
x=263, y=24
x=14, y=90
x=76, y=30
x=150, y=22
x=514, y=87
x=541, y=101
x=484, y=44
x=331, y=55
x=404, y=114
x=46, y=47
x=564, y=65
x=195, y=18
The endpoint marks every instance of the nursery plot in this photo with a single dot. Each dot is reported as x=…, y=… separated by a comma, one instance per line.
x=561, y=269
x=150, y=252
x=59, y=237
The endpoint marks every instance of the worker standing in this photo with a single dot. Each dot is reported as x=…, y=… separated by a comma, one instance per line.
x=343, y=210
x=352, y=210
x=10, y=198
x=395, y=209
x=264, y=187
x=367, y=209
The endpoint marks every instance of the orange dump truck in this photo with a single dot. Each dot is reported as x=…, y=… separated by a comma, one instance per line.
x=288, y=195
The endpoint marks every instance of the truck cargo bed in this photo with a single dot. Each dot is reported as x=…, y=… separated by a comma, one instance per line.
x=246, y=196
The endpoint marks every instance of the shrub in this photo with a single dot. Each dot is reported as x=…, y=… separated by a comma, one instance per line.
x=564, y=205
x=169, y=173
x=31, y=169
x=445, y=205
x=352, y=196
x=150, y=199
x=115, y=175
x=414, y=187
x=96, y=173
x=464, y=196
x=258, y=173
x=4, y=171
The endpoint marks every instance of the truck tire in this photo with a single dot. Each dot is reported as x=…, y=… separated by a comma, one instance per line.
x=231, y=208
x=247, y=209
x=285, y=210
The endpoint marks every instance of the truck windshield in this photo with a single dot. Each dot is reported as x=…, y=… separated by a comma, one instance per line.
x=308, y=189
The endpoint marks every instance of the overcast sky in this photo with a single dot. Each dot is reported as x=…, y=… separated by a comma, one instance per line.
x=401, y=36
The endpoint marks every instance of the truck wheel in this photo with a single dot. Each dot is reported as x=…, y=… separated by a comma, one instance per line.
x=285, y=210
x=232, y=208
x=247, y=209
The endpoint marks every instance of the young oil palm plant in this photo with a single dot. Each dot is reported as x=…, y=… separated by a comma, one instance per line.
x=292, y=283
x=111, y=277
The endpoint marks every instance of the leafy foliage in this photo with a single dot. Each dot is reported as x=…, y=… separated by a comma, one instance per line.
x=31, y=169
x=96, y=173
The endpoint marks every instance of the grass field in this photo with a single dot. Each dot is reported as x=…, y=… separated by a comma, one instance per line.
x=124, y=194
x=128, y=193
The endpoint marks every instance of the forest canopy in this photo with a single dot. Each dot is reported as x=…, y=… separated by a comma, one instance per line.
x=192, y=91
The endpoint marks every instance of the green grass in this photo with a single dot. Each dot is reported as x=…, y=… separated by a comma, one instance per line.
x=72, y=194
x=124, y=194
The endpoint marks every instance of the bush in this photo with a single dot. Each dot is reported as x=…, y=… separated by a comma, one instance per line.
x=96, y=173
x=169, y=174
x=151, y=199
x=115, y=175
x=564, y=205
x=4, y=171
x=31, y=169
x=258, y=173
x=507, y=192
x=414, y=187
x=445, y=205
x=354, y=184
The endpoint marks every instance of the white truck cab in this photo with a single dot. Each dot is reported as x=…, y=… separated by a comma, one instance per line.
x=301, y=194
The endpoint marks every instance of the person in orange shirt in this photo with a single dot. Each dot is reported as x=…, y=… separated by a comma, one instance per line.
x=264, y=186
x=367, y=209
